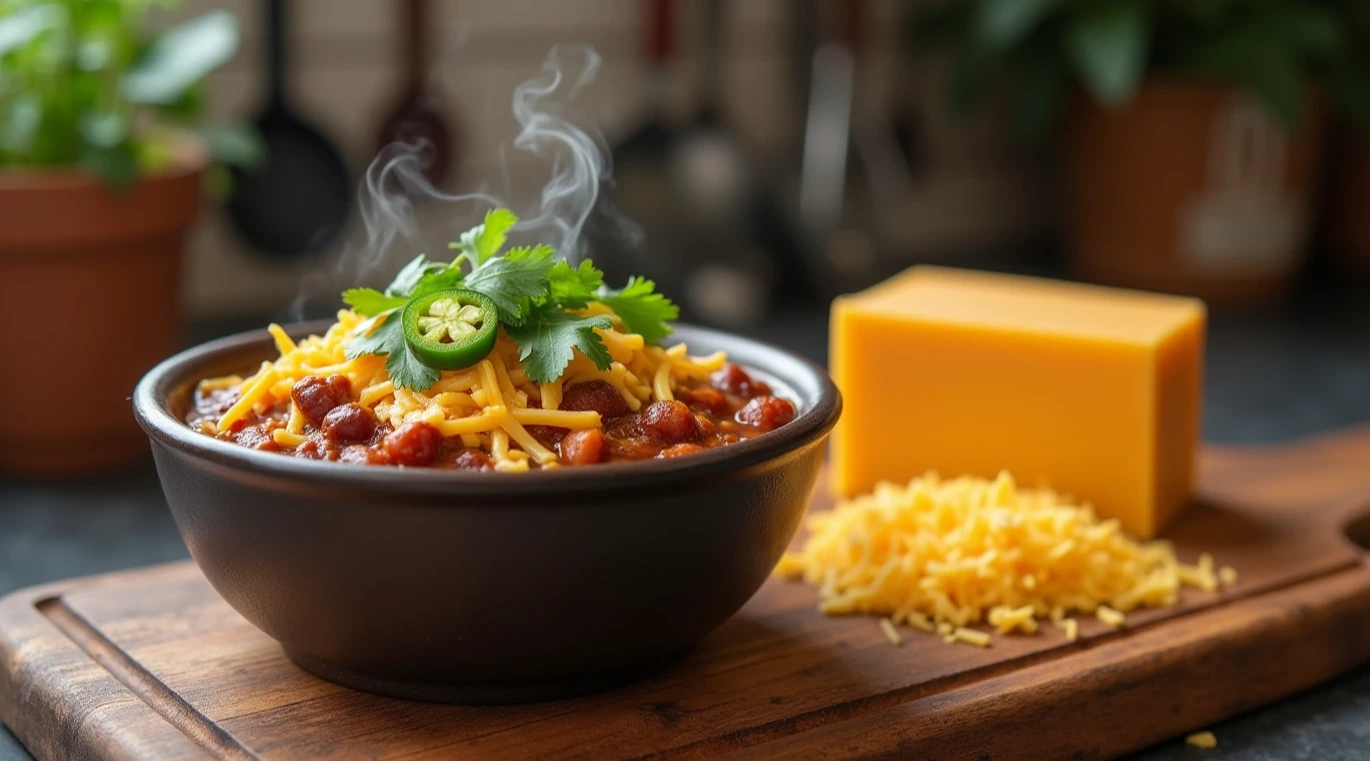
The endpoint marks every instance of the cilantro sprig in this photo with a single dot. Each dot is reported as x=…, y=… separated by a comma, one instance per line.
x=534, y=294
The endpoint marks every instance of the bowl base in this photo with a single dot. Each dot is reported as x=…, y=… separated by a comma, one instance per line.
x=483, y=694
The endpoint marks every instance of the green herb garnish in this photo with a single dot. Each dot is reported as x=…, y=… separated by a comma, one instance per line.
x=531, y=292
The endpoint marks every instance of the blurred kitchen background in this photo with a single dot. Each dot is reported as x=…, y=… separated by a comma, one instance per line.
x=766, y=156
x=914, y=183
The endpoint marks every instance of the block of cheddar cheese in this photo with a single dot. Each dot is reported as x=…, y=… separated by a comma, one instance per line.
x=1093, y=391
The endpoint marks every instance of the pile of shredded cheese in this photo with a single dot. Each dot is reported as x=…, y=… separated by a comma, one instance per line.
x=941, y=556
x=487, y=405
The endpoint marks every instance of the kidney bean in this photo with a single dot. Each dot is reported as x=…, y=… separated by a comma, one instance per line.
x=349, y=423
x=594, y=396
x=413, y=444
x=472, y=459
x=766, y=412
x=733, y=379
x=708, y=398
x=706, y=426
x=669, y=421
x=583, y=447
x=317, y=397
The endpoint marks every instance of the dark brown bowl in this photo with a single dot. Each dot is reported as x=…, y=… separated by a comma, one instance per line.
x=486, y=587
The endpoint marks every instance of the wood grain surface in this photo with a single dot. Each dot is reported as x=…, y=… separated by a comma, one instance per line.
x=151, y=664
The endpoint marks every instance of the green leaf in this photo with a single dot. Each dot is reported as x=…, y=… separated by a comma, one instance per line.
x=116, y=165
x=437, y=281
x=387, y=338
x=521, y=273
x=548, y=337
x=1107, y=42
x=408, y=277
x=182, y=56
x=104, y=129
x=1037, y=97
x=642, y=309
x=1247, y=57
x=237, y=145
x=574, y=287
x=370, y=302
x=485, y=240
x=1001, y=24
x=17, y=28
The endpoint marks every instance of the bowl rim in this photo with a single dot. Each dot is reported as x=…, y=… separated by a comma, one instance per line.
x=152, y=410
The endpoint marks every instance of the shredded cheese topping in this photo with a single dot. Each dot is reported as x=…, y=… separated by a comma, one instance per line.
x=941, y=556
x=487, y=406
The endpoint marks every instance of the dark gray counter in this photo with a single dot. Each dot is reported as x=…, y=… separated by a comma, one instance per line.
x=1270, y=378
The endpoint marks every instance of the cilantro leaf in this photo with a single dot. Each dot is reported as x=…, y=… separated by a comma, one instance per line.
x=408, y=277
x=484, y=241
x=511, y=279
x=437, y=281
x=641, y=308
x=573, y=288
x=548, y=336
x=370, y=302
x=388, y=338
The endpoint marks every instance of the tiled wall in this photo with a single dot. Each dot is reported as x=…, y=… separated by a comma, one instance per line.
x=971, y=191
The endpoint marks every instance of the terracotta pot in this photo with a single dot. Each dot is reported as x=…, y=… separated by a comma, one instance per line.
x=89, y=298
x=1194, y=188
x=1346, y=224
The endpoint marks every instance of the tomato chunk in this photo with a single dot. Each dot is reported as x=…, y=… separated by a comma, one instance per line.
x=413, y=444
x=766, y=412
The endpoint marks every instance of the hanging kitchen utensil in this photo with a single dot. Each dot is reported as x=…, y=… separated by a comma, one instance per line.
x=742, y=251
x=885, y=165
x=297, y=201
x=640, y=188
x=418, y=118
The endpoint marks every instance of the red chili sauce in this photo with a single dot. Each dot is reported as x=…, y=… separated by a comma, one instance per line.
x=731, y=407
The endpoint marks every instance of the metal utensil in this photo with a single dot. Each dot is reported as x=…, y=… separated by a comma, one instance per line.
x=297, y=201
x=417, y=119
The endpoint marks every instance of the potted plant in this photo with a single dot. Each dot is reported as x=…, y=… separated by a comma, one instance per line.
x=1192, y=130
x=100, y=177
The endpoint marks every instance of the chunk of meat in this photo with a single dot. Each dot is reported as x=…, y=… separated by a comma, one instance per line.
x=364, y=455
x=733, y=379
x=548, y=436
x=669, y=421
x=704, y=397
x=583, y=447
x=766, y=412
x=594, y=396
x=317, y=397
x=349, y=424
x=413, y=444
x=680, y=450
x=472, y=459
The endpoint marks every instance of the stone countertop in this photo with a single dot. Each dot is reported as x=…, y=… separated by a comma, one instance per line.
x=1270, y=377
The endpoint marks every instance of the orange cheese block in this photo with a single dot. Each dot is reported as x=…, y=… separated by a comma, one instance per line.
x=1093, y=391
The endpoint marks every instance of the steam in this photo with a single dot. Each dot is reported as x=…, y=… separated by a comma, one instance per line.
x=394, y=192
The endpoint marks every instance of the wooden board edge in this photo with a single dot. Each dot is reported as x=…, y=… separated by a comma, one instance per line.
x=1248, y=654
x=40, y=664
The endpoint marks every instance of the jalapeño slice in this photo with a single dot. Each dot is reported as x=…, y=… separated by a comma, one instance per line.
x=450, y=329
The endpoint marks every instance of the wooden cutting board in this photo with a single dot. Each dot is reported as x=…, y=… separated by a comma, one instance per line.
x=151, y=664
